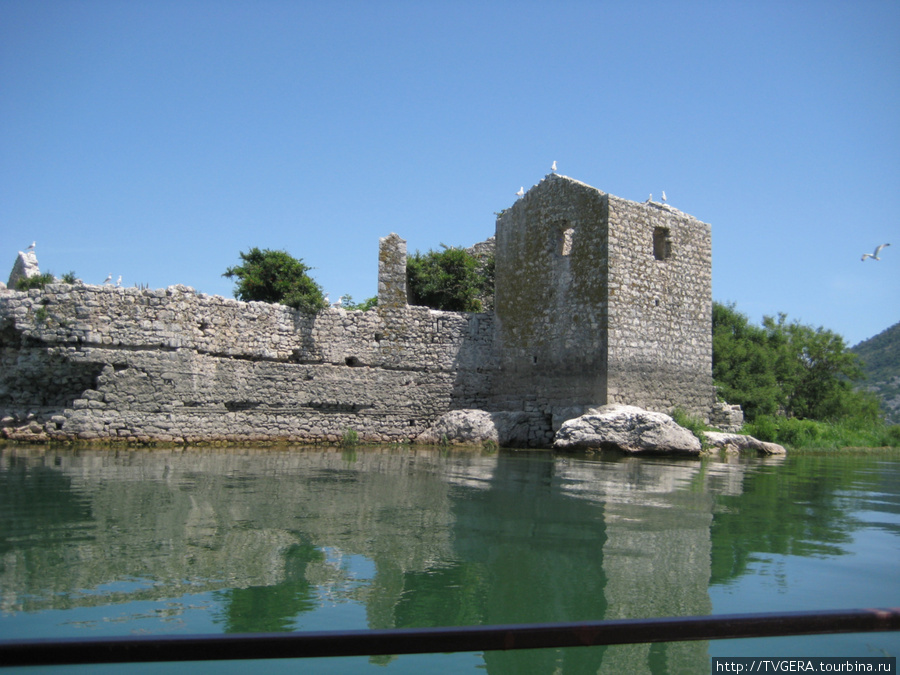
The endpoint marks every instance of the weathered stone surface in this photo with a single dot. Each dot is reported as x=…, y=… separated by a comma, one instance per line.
x=474, y=427
x=602, y=300
x=727, y=417
x=629, y=429
x=25, y=267
x=741, y=443
x=392, y=271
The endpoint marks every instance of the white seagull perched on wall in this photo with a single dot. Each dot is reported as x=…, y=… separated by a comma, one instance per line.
x=108, y=279
x=521, y=191
x=31, y=248
x=664, y=197
x=874, y=255
x=553, y=168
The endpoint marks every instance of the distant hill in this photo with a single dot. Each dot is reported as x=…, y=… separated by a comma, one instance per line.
x=881, y=361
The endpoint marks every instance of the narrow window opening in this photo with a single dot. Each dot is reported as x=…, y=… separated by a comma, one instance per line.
x=565, y=241
x=352, y=361
x=662, y=243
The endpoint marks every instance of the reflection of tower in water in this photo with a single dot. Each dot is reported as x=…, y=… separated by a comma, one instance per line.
x=560, y=540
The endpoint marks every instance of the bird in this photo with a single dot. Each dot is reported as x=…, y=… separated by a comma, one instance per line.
x=119, y=280
x=650, y=198
x=31, y=248
x=873, y=255
x=108, y=279
x=553, y=168
x=664, y=197
x=339, y=302
x=521, y=191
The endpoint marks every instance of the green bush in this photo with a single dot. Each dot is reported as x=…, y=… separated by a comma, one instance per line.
x=276, y=277
x=38, y=281
x=693, y=424
x=350, y=438
x=796, y=433
x=764, y=428
x=452, y=279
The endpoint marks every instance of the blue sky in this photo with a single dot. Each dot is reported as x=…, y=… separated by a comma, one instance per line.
x=156, y=140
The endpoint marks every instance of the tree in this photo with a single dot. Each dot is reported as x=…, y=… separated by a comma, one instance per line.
x=277, y=277
x=786, y=368
x=364, y=306
x=818, y=371
x=448, y=280
x=742, y=367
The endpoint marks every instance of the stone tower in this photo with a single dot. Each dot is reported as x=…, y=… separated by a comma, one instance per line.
x=601, y=300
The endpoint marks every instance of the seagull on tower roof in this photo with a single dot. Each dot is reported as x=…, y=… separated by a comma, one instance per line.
x=664, y=197
x=553, y=168
x=521, y=191
x=33, y=244
x=873, y=255
x=108, y=279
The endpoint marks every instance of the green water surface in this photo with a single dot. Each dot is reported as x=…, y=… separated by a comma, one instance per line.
x=98, y=542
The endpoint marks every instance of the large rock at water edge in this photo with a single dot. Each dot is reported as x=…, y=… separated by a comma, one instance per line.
x=474, y=427
x=742, y=442
x=626, y=428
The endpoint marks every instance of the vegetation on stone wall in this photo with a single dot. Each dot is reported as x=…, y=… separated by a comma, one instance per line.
x=452, y=279
x=37, y=281
x=788, y=370
x=276, y=277
x=349, y=303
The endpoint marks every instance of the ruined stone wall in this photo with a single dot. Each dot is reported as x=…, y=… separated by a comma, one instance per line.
x=660, y=308
x=99, y=362
x=597, y=300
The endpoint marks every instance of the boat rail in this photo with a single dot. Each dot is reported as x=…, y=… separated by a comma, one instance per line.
x=308, y=644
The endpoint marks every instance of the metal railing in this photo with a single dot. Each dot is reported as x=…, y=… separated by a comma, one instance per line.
x=230, y=646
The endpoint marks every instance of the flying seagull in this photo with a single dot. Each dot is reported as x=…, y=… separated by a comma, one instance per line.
x=521, y=191
x=553, y=168
x=874, y=255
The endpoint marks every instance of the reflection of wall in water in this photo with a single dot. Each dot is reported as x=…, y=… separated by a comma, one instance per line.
x=194, y=521
x=454, y=538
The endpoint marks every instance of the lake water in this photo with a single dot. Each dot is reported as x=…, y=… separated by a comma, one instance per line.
x=105, y=542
